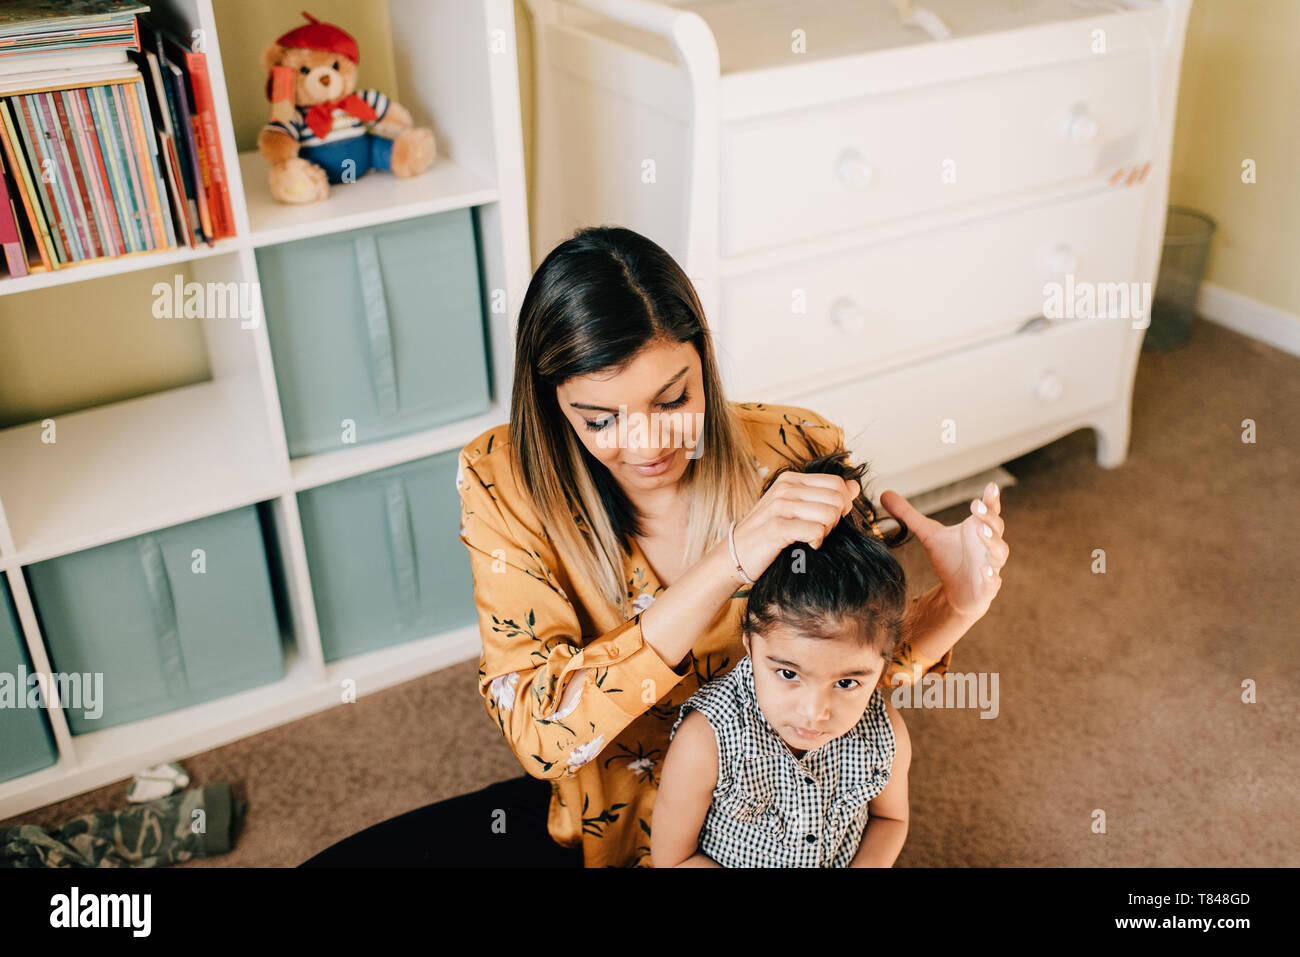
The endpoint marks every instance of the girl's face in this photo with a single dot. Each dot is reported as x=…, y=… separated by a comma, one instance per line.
x=811, y=690
x=663, y=391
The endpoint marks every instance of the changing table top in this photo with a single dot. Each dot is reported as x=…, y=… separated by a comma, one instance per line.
x=756, y=34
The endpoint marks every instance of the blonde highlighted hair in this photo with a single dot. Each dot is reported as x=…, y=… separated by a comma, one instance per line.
x=596, y=301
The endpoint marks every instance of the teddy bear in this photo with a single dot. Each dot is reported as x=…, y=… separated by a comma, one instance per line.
x=322, y=129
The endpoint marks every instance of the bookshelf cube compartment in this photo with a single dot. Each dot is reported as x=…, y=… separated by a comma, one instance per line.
x=26, y=743
x=170, y=618
x=385, y=556
x=376, y=332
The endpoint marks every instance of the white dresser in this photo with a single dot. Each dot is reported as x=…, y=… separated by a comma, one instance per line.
x=882, y=220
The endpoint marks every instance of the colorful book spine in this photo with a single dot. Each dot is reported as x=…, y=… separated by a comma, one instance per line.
x=131, y=153
x=73, y=183
x=167, y=156
x=69, y=251
x=40, y=187
x=91, y=132
x=144, y=119
x=116, y=169
x=143, y=156
x=31, y=202
x=89, y=173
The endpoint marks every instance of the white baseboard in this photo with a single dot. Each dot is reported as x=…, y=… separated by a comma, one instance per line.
x=1250, y=317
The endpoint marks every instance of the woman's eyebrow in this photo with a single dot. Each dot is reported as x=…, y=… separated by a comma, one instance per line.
x=662, y=389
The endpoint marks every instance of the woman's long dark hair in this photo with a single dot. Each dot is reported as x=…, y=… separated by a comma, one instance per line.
x=596, y=301
x=851, y=579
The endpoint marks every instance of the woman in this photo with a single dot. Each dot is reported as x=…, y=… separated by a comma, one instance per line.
x=612, y=528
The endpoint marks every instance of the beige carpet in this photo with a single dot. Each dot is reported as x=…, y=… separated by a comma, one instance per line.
x=1119, y=692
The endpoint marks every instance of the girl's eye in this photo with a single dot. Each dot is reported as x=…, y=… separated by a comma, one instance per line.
x=852, y=683
x=599, y=425
x=784, y=671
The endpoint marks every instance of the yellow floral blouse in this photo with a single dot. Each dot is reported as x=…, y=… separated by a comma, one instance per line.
x=562, y=672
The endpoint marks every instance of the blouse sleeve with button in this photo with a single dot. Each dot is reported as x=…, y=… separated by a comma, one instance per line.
x=558, y=699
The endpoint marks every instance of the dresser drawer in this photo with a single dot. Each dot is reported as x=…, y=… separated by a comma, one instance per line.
x=890, y=303
x=930, y=411
x=795, y=175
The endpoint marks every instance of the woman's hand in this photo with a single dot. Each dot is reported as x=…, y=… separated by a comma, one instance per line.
x=797, y=507
x=968, y=557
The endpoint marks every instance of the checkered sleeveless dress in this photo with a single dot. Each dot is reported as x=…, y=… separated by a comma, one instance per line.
x=771, y=809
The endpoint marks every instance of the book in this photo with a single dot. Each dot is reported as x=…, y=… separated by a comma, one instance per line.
x=133, y=158
x=172, y=103
x=47, y=28
x=114, y=162
x=31, y=204
x=111, y=139
x=66, y=61
x=105, y=212
x=165, y=134
x=101, y=166
x=154, y=191
x=207, y=138
x=167, y=156
x=57, y=133
x=48, y=177
x=11, y=239
x=185, y=131
x=80, y=175
x=65, y=79
x=40, y=175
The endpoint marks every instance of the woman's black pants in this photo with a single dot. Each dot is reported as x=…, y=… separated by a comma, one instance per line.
x=501, y=825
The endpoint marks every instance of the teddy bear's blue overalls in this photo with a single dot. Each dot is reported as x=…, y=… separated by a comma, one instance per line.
x=350, y=141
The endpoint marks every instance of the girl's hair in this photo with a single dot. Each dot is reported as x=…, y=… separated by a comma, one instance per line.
x=852, y=579
x=596, y=301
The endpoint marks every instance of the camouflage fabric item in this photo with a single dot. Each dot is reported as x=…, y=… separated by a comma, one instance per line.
x=200, y=822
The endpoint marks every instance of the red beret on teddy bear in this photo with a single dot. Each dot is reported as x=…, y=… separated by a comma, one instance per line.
x=322, y=129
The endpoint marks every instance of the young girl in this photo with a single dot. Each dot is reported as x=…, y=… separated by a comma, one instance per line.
x=795, y=758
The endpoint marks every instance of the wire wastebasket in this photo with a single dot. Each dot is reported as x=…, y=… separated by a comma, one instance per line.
x=1182, y=264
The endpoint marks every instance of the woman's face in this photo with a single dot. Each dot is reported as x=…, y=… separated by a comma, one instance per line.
x=662, y=392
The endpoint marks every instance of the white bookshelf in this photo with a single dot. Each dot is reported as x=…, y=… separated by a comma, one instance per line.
x=133, y=466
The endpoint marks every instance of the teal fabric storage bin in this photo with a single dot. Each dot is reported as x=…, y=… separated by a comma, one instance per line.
x=383, y=326
x=26, y=742
x=165, y=631
x=386, y=560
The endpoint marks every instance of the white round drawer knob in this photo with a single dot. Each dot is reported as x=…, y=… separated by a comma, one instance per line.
x=1063, y=261
x=1049, y=387
x=847, y=317
x=1080, y=125
x=853, y=170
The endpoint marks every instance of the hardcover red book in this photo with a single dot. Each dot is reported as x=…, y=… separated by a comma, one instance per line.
x=206, y=119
